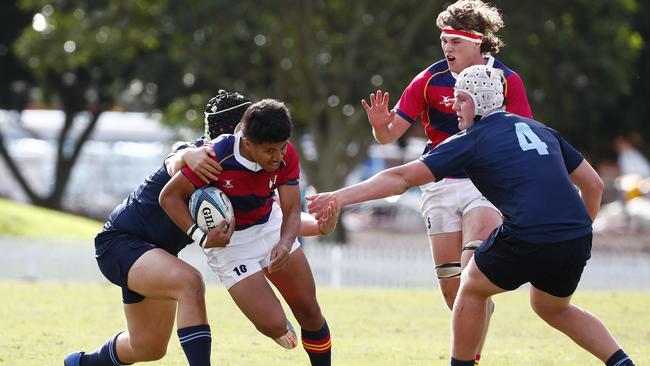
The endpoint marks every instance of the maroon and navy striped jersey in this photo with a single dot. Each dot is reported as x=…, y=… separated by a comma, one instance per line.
x=428, y=94
x=249, y=187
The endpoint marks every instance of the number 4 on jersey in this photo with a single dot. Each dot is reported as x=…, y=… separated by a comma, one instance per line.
x=528, y=140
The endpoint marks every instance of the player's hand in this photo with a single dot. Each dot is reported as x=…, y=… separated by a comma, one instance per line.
x=378, y=114
x=328, y=223
x=220, y=236
x=279, y=257
x=201, y=161
x=318, y=204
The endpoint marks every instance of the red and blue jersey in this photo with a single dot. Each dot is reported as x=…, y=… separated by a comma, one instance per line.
x=428, y=96
x=249, y=187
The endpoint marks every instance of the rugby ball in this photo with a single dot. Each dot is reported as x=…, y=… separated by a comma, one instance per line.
x=209, y=206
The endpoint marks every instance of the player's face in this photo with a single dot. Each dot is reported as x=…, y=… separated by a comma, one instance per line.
x=460, y=53
x=268, y=154
x=464, y=107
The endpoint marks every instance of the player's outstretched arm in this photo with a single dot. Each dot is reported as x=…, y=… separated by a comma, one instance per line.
x=200, y=159
x=309, y=226
x=387, y=183
x=590, y=185
x=387, y=127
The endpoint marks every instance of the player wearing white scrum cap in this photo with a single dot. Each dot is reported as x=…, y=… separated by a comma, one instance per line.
x=454, y=212
x=529, y=172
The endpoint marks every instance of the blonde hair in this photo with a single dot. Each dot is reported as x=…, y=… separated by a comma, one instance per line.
x=474, y=15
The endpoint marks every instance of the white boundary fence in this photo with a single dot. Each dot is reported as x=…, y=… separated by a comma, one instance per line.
x=333, y=265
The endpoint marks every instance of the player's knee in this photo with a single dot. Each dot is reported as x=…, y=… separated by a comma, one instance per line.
x=449, y=291
x=273, y=328
x=191, y=285
x=308, y=315
x=550, y=314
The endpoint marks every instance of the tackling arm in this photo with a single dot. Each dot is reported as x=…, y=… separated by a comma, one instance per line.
x=387, y=183
x=200, y=159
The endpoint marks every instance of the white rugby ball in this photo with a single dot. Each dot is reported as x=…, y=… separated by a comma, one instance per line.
x=209, y=206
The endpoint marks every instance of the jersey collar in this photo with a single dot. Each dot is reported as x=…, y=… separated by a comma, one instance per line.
x=250, y=165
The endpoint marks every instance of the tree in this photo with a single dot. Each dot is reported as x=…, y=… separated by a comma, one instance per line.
x=577, y=60
x=80, y=64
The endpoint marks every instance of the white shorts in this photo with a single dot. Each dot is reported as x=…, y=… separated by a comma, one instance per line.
x=445, y=202
x=249, y=250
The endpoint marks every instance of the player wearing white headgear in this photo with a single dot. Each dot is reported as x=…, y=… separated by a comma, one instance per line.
x=529, y=172
x=454, y=212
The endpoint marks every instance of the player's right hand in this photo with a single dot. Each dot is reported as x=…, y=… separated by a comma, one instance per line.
x=202, y=161
x=378, y=114
x=319, y=204
x=220, y=236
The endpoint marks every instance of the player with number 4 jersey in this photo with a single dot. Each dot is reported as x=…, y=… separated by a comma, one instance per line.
x=528, y=171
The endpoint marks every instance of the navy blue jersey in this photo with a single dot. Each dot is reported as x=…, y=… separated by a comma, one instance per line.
x=140, y=214
x=523, y=168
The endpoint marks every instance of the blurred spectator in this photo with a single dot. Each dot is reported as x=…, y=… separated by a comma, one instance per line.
x=630, y=159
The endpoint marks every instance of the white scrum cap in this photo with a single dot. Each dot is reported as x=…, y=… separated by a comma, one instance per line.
x=484, y=84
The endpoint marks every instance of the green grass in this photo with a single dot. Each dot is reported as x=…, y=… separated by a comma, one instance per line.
x=41, y=322
x=27, y=221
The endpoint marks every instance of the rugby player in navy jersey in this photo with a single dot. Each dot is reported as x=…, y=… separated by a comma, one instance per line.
x=455, y=213
x=528, y=172
x=255, y=163
x=137, y=250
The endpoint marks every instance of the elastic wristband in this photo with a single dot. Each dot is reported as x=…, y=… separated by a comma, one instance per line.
x=197, y=235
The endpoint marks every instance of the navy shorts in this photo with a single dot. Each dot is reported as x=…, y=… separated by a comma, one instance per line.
x=554, y=268
x=115, y=254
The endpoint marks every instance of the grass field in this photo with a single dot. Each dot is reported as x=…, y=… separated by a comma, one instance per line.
x=34, y=222
x=41, y=322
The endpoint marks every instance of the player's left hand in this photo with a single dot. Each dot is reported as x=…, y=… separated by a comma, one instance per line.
x=318, y=204
x=220, y=236
x=279, y=257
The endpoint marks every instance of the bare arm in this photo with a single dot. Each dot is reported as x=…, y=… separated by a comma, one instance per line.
x=173, y=198
x=387, y=126
x=387, y=183
x=290, y=205
x=590, y=185
x=309, y=226
x=199, y=159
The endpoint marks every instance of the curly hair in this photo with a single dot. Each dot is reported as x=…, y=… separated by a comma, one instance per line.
x=223, y=113
x=267, y=121
x=474, y=15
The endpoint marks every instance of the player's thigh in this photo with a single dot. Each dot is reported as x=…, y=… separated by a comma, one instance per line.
x=160, y=275
x=479, y=222
x=297, y=287
x=256, y=299
x=475, y=282
x=150, y=323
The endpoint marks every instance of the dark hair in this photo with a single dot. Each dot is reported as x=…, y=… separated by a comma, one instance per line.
x=474, y=15
x=267, y=121
x=233, y=106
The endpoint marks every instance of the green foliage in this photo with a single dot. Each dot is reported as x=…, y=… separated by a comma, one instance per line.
x=27, y=221
x=369, y=327
x=577, y=61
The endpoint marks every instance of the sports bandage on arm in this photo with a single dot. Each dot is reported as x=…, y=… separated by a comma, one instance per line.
x=197, y=235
